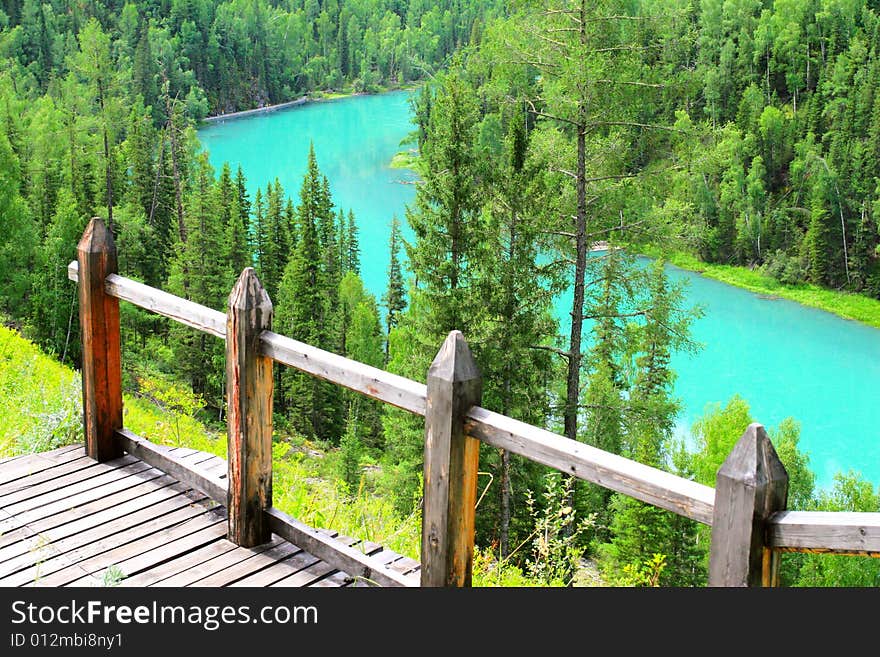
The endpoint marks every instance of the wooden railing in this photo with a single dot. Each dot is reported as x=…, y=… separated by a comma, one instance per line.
x=746, y=509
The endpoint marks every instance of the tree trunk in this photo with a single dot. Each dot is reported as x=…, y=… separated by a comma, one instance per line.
x=108, y=170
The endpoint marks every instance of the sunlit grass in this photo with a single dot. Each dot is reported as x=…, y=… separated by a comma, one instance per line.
x=843, y=304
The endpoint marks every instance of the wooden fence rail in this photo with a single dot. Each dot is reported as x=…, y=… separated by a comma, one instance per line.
x=746, y=509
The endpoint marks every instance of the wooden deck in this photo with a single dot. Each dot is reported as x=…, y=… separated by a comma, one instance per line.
x=66, y=520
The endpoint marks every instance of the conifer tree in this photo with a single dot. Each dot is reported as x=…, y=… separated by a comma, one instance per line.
x=237, y=251
x=517, y=295
x=200, y=273
x=394, y=299
x=638, y=530
x=55, y=301
x=305, y=300
x=448, y=228
x=353, y=245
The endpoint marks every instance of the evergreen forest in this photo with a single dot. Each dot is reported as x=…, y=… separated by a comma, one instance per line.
x=556, y=139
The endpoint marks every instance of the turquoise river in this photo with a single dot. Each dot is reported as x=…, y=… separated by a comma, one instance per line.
x=784, y=358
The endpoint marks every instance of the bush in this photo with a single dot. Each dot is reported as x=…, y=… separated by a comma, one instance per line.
x=789, y=270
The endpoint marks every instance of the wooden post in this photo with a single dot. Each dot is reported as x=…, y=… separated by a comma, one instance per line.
x=101, y=363
x=451, y=463
x=249, y=416
x=751, y=485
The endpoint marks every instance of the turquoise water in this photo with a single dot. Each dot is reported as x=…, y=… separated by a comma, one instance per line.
x=355, y=139
x=785, y=359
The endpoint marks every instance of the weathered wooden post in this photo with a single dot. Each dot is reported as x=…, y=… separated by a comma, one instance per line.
x=451, y=464
x=249, y=416
x=101, y=363
x=751, y=485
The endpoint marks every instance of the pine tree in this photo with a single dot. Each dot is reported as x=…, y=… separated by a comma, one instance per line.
x=517, y=295
x=363, y=342
x=200, y=273
x=94, y=64
x=275, y=250
x=449, y=233
x=305, y=301
x=446, y=215
x=144, y=74
x=20, y=234
x=353, y=245
x=236, y=252
x=395, y=295
x=55, y=300
x=639, y=530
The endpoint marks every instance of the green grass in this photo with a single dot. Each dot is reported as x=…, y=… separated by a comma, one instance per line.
x=40, y=400
x=843, y=304
x=405, y=160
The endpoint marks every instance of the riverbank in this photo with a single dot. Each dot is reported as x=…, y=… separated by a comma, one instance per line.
x=302, y=100
x=843, y=304
x=257, y=110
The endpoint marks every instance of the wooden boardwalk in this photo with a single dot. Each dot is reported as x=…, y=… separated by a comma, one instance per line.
x=66, y=520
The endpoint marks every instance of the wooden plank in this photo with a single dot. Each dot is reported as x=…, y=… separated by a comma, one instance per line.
x=215, y=467
x=75, y=517
x=212, y=486
x=667, y=491
x=16, y=486
x=71, y=565
x=81, y=479
x=249, y=403
x=38, y=508
x=370, y=381
x=336, y=554
x=307, y=576
x=340, y=578
x=200, y=571
x=101, y=360
x=287, y=559
x=28, y=549
x=32, y=464
x=180, y=310
x=751, y=485
x=450, y=466
x=174, y=548
x=180, y=564
x=307, y=568
x=291, y=565
x=258, y=562
x=839, y=532
x=406, y=566
x=336, y=580
x=130, y=543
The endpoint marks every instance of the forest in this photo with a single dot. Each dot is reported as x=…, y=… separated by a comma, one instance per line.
x=743, y=132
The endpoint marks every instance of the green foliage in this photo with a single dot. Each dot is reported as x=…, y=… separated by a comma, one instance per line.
x=555, y=554
x=112, y=576
x=350, y=449
x=177, y=400
x=643, y=573
x=40, y=401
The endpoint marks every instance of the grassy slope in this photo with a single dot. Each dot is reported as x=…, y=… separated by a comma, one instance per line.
x=844, y=304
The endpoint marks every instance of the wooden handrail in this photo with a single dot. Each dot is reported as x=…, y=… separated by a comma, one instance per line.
x=841, y=532
x=788, y=531
x=652, y=485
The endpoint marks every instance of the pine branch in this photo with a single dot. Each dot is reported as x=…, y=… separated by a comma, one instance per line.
x=555, y=350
